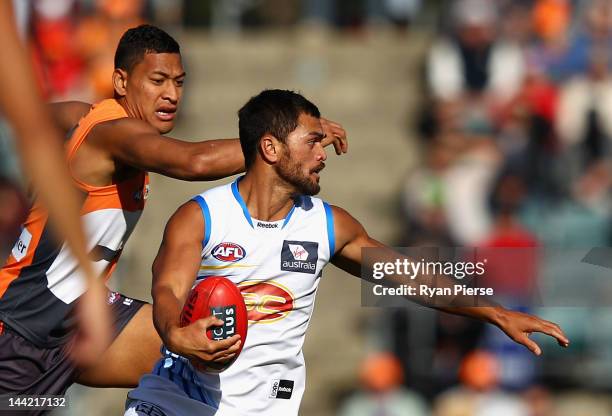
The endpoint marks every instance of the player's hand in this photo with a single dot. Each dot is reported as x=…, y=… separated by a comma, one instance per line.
x=93, y=334
x=518, y=326
x=334, y=134
x=192, y=342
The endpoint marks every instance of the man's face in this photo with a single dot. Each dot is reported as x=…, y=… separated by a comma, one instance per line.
x=303, y=156
x=154, y=89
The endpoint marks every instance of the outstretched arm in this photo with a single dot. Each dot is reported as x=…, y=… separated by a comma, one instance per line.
x=136, y=143
x=351, y=238
x=174, y=271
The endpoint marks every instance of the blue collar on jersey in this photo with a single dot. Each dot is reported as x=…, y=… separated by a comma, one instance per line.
x=245, y=210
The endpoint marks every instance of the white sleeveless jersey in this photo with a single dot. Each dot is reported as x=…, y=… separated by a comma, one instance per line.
x=277, y=266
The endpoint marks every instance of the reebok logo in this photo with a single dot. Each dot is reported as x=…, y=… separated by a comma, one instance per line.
x=281, y=389
x=269, y=225
x=300, y=256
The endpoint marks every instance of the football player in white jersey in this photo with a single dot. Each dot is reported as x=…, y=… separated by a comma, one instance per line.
x=268, y=235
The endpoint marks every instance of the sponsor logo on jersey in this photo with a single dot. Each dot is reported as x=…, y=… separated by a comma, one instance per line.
x=20, y=249
x=227, y=314
x=142, y=194
x=266, y=301
x=268, y=225
x=281, y=389
x=229, y=252
x=300, y=256
x=298, y=252
x=112, y=297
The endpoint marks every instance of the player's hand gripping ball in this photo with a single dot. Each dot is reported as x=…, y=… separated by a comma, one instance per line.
x=220, y=297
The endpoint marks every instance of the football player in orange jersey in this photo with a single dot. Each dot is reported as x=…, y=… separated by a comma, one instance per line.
x=112, y=147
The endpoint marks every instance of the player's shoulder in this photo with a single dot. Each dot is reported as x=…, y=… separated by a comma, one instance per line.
x=119, y=130
x=186, y=215
x=216, y=199
x=127, y=124
x=216, y=193
x=307, y=203
x=343, y=220
x=210, y=204
x=185, y=225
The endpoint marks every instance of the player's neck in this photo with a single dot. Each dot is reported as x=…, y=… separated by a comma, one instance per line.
x=132, y=111
x=266, y=197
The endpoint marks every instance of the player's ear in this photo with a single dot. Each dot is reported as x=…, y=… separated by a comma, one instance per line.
x=269, y=148
x=120, y=82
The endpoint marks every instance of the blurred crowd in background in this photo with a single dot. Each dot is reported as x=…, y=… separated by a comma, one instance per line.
x=516, y=135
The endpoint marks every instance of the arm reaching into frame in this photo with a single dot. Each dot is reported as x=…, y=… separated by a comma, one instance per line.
x=137, y=144
x=351, y=238
x=39, y=146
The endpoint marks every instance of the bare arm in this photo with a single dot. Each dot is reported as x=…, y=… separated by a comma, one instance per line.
x=66, y=115
x=174, y=272
x=351, y=238
x=39, y=145
x=38, y=140
x=136, y=143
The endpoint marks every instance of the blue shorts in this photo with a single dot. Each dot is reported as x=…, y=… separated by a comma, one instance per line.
x=158, y=396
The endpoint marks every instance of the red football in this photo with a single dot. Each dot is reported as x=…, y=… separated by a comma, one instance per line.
x=217, y=296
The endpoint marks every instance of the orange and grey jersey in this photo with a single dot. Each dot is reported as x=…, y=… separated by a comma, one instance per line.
x=40, y=280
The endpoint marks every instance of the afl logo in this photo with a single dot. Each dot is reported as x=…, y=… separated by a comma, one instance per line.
x=230, y=252
x=266, y=301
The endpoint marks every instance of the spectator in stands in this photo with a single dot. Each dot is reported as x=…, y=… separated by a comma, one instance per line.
x=478, y=393
x=382, y=393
